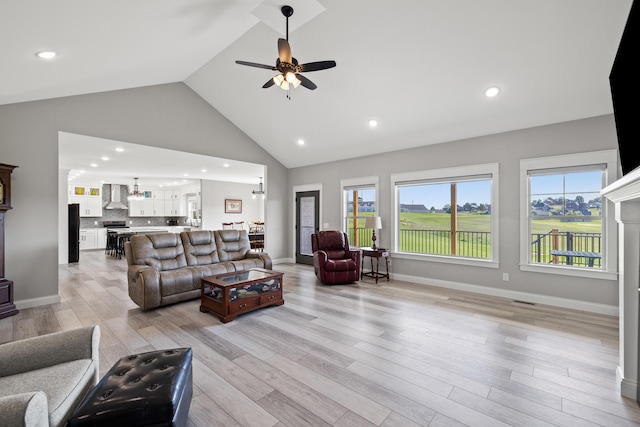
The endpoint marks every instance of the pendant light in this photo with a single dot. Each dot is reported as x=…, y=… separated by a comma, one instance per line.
x=135, y=194
x=255, y=193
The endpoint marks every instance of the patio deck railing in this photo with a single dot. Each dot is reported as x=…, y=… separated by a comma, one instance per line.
x=477, y=244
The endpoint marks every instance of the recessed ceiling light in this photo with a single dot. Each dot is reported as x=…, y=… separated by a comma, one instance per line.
x=47, y=54
x=225, y=165
x=492, y=91
x=104, y=158
x=119, y=149
x=373, y=123
x=301, y=142
x=94, y=165
x=204, y=170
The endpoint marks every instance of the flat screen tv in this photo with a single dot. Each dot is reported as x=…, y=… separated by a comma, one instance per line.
x=624, y=80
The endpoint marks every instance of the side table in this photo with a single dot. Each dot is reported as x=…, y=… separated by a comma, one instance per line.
x=377, y=254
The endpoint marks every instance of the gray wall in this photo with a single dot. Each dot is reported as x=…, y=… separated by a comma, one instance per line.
x=174, y=117
x=167, y=116
x=507, y=149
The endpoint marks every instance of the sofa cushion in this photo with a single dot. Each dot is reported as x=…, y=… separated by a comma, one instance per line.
x=200, y=247
x=232, y=244
x=213, y=269
x=248, y=263
x=65, y=385
x=162, y=251
x=179, y=280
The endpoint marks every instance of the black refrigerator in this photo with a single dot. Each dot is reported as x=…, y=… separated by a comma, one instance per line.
x=74, y=232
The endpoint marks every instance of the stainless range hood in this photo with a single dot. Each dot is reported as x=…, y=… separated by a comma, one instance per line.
x=115, y=202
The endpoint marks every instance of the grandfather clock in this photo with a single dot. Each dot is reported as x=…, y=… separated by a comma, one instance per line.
x=7, y=307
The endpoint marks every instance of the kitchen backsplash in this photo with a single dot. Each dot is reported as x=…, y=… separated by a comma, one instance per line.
x=122, y=214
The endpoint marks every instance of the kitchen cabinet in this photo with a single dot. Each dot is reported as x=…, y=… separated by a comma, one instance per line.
x=89, y=198
x=101, y=240
x=88, y=238
x=144, y=207
x=173, y=205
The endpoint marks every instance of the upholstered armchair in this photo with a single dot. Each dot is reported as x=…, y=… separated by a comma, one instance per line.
x=44, y=378
x=333, y=261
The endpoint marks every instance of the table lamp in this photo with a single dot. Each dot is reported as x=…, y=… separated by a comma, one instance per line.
x=375, y=223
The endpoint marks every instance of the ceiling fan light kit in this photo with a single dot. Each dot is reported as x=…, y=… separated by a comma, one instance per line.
x=288, y=66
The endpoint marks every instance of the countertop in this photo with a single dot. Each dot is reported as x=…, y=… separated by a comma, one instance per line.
x=141, y=230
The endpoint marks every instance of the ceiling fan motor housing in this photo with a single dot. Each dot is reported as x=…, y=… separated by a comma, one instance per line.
x=286, y=10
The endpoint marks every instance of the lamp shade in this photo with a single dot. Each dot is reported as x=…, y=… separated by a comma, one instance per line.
x=374, y=222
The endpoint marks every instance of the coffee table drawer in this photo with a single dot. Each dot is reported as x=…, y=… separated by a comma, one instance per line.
x=270, y=297
x=242, y=305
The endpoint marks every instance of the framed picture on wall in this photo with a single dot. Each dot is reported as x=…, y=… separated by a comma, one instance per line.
x=232, y=206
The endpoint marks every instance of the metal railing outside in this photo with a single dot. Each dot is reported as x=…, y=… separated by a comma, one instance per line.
x=476, y=244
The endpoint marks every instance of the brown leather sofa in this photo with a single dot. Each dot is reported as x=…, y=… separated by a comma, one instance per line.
x=333, y=260
x=166, y=268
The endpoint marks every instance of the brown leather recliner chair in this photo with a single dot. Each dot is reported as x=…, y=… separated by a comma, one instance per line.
x=333, y=261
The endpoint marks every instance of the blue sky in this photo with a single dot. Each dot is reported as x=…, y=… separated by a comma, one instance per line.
x=439, y=195
x=586, y=184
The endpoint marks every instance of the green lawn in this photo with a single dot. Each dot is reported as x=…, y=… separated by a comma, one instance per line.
x=474, y=245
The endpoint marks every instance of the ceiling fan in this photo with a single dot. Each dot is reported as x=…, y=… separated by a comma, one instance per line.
x=288, y=66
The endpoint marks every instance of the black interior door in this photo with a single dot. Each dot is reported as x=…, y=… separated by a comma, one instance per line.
x=307, y=223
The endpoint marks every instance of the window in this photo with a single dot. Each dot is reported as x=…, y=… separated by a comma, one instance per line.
x=448, y=214
x=359, y=200
x=565, y=219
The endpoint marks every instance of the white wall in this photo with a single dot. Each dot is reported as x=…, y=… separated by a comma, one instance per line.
x=214, y=194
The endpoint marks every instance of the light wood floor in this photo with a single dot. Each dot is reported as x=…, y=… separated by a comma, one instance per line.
x=387, y=354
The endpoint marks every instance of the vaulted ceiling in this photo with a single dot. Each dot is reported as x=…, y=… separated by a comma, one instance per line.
x=418, y=67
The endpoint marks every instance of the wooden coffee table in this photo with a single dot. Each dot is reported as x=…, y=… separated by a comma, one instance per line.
x=230, y=294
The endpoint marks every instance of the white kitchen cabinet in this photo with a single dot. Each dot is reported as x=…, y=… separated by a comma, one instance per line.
x=172, y=194
x=101, y=238
x=89, y=198
x=173, y=205
x=172, y=208
x=88, y=238
x=144, y=207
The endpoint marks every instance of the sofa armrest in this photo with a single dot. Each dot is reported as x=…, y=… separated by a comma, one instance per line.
x=144, y=286
x=25, y=409
x=321, y=256
x=355, y=256
x=266, y=259
x=49, y=350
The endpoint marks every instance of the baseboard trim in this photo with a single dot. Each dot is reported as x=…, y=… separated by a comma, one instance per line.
x=37, y=302
x=591, y=307
x=628, y=388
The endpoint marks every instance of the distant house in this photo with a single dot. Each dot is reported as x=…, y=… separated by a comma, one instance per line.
x=413, y=208
x=362, y=206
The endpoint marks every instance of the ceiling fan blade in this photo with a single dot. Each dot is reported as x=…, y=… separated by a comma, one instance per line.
x=316, y=66
x=306, y=82
x=253, y=64
x=268, y=84
x=284, y=51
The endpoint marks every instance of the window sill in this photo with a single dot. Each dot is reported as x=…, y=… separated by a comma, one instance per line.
x=446, y=259
x=570, y=271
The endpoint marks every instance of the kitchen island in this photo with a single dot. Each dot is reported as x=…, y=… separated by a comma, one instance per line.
x=117, y=236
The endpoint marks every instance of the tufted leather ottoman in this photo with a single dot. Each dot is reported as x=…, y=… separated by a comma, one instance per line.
x=147, y=389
